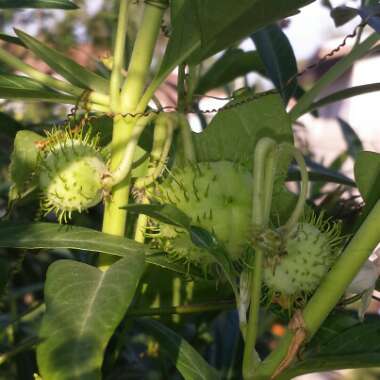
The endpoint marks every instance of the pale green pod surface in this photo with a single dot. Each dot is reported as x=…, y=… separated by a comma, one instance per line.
x=71, y=178
x=309, y=252
x=217, y=196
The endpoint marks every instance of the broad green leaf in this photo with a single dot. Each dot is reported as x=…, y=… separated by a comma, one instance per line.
x=204, y=27
x=52, y=235
x=233, y=64
x=345, y=94
x=48, y=4
x=345, y=345
x=367, y=175
x=233, y=133
x=84, y=305
x=165, y=213
x=24, y=163
x=69, y=69
x=187, y=360
x=278, y=57
x=223, y=22
x=331, y=363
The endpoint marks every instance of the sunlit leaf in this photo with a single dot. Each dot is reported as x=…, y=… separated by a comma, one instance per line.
x=69, y=69
x=84, y=305
x=48, y=4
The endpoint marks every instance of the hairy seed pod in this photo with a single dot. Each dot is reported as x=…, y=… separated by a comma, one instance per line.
x=71, y=172
x=307, y=254
x=217, y=196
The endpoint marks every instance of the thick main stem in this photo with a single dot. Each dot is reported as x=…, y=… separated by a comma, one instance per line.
x=141, y=59
x=331, y=290
x=115, y=218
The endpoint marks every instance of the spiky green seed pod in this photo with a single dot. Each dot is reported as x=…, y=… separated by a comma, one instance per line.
x=71, y=173
x=218, y=197
x=308, y=253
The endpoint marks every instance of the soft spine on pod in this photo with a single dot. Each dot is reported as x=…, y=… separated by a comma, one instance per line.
x=298, y=261
x=217, y=197
x=71, y=173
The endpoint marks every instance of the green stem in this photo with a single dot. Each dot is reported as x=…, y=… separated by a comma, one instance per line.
x=333, y=74
x=299, y=209
x=187, y=138
x=124, y=168
x=263, y=179
x=141, y=58
x=162, y=140
x=118, y=56
x=331, y=290
x=115, y=218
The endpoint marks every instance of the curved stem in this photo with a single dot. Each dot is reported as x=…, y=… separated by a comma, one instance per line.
x=299, y=209
x=118, y=56
x=331, y=289
x=263, y=181
x=124, y=168
x=163, y=137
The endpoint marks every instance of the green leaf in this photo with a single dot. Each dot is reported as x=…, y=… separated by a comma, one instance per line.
x=233, y=133
x=69, y=69
x=84, y=305
x=367, y=175
x=11, y=39
x=342, y=15
x=48, y=4
x=233, y=64
x=24, y=88
x=186, y=359
x=354, y=144
x=345, y=94
x=165, y=213
x=345, y=345
x=278, y=57
x=52, y=235
x=204, y=27
x=24, y=163
x=319, y=173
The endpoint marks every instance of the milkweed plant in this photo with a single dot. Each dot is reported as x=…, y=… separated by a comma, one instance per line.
x=191, y=226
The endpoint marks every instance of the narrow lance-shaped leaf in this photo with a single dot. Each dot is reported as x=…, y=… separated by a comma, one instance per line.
x=278, y=57
x=186, y=359
x=52, y=235
x=48, y=4
x=19, y=87
x=84, y=305
x=69, y=69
